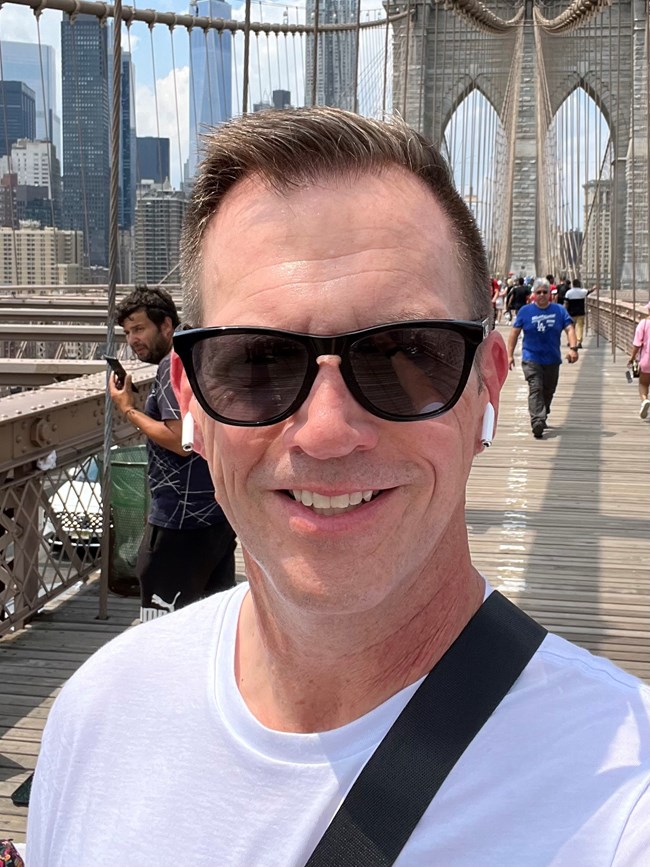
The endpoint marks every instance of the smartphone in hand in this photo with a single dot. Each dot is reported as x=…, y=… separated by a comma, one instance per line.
x=120, y=374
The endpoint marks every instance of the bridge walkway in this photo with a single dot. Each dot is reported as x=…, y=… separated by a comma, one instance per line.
x=560, y=525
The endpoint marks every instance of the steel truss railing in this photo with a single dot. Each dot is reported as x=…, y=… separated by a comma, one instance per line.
x=50, y=495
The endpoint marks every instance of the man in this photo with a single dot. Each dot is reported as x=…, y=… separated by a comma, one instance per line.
x=343, y=288
x=542, y=323
x=518, y=296
x=188, y=546
x=552, y=286
x=562, y=289
x=574, y=301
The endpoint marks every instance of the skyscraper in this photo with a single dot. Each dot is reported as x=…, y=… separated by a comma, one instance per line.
x=158, y=222
x=210, y=75
x=153, y=159
x=336, y=55
x=32, y=171
x=86, y=178
x=128, y=158
x=17, y=114
x=21, y=61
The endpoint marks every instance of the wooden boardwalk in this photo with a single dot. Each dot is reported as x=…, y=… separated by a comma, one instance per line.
x=560, y=525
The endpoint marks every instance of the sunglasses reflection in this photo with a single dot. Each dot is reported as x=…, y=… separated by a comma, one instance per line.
x=413, y=381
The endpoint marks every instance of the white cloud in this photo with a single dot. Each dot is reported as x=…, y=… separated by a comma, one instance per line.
x=164, y=121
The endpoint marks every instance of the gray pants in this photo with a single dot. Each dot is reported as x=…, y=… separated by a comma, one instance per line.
x=542, y=382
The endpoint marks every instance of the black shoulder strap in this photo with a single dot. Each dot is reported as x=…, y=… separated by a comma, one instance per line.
x=435, y=728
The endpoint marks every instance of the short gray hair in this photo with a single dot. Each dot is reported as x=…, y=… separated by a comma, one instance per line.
x=293, y=148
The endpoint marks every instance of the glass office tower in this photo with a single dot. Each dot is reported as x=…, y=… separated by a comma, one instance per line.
x=210, y=75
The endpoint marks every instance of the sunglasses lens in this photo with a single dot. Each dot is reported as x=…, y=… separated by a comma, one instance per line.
x=409, y=371
x=249, y=377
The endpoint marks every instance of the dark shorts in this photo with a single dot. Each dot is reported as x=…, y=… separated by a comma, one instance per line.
x=181, y=566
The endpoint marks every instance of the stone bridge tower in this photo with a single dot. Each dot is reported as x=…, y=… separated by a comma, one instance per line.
x=526, y=70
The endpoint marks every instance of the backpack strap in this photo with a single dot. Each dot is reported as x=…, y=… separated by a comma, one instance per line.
x=426, y=740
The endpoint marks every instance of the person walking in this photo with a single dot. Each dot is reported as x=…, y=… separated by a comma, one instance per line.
x=575, y=303
x=641, y=349
x=542, y=323
x=187, y=551
x=518, y=296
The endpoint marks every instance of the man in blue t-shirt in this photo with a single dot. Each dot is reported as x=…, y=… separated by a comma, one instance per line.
x=542, y=323
x=188, y=546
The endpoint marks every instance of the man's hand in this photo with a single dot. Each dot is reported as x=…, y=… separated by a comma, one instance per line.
x=511, y=362
x=121, y=397
x=572, y=356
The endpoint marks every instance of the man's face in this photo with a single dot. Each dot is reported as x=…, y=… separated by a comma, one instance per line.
x=150, y=342
x=327, y=259
x=542, y=296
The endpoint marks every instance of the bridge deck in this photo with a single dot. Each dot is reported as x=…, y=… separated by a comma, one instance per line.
x=560, y=525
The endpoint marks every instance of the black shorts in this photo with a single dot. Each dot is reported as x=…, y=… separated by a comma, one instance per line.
x=181, y=566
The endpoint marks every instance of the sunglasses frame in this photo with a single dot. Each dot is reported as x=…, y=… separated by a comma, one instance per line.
x=473, y=333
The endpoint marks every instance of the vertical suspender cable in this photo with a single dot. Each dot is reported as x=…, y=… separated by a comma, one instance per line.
x=48, y=125
x=314, y=55
x=647, y=140
x=15, y=277
x=84, y=196
x=155, y=97
x=208, y=74
x=385, y=82
x=247, y=52
x=295, y=59
x=436, y=134
x=190, y=31
x=617, y=178
x=223, y=98
x=355, y=85
x=423, y=60
x=407, y=58
x=178, y=123
x=633, y=54
x=234, y=68
x=110, y=317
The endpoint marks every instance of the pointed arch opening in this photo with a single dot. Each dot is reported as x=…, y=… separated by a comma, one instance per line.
x=474, y=143
x=577, y=175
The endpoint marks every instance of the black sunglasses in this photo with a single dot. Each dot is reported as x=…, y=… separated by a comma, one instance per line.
x=404, y=371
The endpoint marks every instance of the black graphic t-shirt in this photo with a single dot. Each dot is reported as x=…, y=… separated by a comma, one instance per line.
x=182, y=494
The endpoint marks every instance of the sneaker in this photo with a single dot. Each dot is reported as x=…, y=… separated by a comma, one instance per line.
x=645, y=408
x=538, y=429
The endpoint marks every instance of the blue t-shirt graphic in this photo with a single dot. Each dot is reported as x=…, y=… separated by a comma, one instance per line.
x=542, y=332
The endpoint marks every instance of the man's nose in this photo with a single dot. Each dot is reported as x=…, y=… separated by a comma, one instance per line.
x=330, y=423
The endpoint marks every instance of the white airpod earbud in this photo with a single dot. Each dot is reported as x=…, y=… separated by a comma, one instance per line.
x=187, y=432
x=487, y=432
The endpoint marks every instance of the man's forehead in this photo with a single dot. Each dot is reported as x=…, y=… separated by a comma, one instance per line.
x=381, y=218
x=138, y=317
x=254, y=198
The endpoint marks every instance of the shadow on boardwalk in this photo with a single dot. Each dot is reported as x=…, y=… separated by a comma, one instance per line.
x=560, y=525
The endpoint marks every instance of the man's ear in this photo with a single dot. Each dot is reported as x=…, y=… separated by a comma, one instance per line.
x=185, y=398
x=180, y=383
x=167, y=327
x=494, y=365
x=494, y=370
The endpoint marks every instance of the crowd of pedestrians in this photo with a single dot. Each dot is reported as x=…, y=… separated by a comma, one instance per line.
x=542, y=309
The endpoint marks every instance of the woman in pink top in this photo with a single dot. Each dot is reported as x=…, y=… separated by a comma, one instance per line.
x=641, y=347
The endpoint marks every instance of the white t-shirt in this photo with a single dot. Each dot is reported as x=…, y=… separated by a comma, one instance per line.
x=150, y=750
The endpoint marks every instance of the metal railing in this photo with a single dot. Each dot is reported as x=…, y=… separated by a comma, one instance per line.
x=50, y=490
x=616, y=321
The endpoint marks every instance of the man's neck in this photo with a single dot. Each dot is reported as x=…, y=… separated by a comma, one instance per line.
x=330, y=672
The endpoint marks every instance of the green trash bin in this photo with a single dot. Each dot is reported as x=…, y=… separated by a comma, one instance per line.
x=129, y=510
